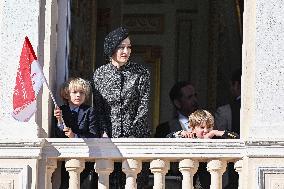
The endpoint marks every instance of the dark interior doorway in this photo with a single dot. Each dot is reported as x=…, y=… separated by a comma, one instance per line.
x=193, y=40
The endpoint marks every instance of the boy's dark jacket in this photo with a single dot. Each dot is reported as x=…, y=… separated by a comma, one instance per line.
x=83, y=125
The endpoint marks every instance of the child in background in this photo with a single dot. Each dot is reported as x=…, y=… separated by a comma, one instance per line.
x=76, y=120
x=201, y=123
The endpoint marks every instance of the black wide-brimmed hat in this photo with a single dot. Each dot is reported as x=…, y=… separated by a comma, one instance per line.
x=113, y=39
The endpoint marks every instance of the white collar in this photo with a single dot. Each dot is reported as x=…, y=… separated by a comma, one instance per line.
x=184, y=122
x=182, y=117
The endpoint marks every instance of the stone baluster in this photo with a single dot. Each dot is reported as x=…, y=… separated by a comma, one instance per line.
x=103, y=167
x=159, y=168
x=74, y=167
x=51, y=165
x=188, y=168
x=216, y=169
x=239, y=166
x=131, y=168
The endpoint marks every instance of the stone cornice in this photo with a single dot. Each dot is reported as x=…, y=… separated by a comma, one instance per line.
x=139, y=148
x=21, y=148
x=265, y=148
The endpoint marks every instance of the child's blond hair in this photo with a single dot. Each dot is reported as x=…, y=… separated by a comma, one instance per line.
x=200, y=116
x=77, y=84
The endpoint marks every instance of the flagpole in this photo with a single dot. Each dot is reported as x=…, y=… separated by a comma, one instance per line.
x=51, y=94
x=53, y=99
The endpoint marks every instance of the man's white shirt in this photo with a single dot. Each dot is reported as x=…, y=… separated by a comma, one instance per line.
x=184, y=122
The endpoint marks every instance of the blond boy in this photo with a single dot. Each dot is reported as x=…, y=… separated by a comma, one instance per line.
x=75, y=119
x=78, y=117
x=201, y=123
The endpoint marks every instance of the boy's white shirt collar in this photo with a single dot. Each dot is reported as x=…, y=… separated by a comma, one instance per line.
x=74, y=108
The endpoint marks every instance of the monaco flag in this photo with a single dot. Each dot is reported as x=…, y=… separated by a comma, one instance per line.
x=28, y=83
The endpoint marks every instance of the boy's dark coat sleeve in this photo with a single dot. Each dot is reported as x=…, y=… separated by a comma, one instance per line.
x=85, y=126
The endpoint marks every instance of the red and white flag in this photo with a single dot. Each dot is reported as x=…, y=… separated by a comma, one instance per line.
x=28, y=83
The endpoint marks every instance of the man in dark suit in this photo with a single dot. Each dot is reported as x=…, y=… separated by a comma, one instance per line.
x=227, y=117
x=183, y=97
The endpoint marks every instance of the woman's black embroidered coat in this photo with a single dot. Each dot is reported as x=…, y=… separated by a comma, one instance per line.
x=121, y=99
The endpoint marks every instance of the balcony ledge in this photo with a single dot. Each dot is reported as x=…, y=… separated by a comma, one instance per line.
x=138, y=148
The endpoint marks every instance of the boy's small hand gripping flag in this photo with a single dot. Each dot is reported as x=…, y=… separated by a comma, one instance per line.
x=28, y=83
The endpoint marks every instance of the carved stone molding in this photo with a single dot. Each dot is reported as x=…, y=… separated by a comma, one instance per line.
x=13, y=177
x=144, y=23
x=7, y=184
x=270, y=177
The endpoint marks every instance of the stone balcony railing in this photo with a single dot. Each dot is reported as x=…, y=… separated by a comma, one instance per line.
x=131, y=152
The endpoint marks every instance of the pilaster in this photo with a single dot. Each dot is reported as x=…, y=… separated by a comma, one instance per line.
x=262, y=109
x=262, y=112
x=15, y=24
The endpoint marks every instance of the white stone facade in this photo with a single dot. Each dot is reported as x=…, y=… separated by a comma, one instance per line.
x=28, y=158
